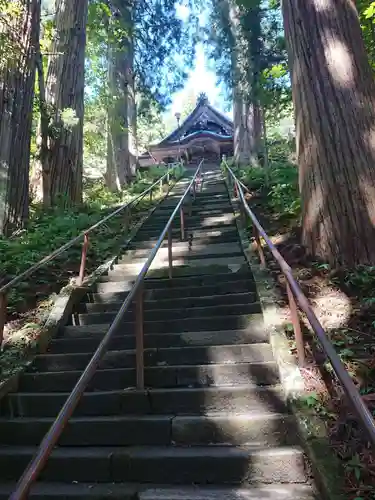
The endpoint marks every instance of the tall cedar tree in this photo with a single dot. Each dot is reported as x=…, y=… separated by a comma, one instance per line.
x=62, y=163
x=150, y=53
x=334, y=99
x=121, y=85
x=19, y=33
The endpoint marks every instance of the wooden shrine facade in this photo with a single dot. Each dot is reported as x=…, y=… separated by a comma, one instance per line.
x=205, y=133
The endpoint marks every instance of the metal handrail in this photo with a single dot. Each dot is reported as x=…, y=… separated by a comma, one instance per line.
x=84, y=234
x=50, y=439
x=296, y=296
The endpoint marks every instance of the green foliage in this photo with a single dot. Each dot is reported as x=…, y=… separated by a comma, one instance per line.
x=279, y=185
x=50, y=229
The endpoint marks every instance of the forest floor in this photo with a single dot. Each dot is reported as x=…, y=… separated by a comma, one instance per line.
x=344, y=303
x=29, y=302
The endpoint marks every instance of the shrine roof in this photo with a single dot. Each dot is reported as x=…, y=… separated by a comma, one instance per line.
x=203, y=120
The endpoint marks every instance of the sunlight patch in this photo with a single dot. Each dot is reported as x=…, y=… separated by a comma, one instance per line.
x=332, y=308
x=322, y=5
x=339, y=62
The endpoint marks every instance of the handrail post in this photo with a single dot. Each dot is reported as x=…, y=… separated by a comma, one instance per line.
x=296, y=326
x=182, y=223
x=151, y=196
x=83, y=259
x=235, y=189
x=139, y=348
x=170, y=256
x=259, y=247
x=3, y=315
x=161, y=186
x=127, y=220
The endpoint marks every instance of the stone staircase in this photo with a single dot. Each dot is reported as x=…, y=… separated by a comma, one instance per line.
x=213, y=421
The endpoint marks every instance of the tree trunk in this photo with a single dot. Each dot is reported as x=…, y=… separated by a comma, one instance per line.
x=246, y=131
x=120, y=77
x=247, y=126
x=334, y=99
x=17, y=76
x=63, y=163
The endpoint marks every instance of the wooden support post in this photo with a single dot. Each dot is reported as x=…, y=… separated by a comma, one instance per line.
x=82, y=268
x=139, y=347
x=259, y=247
x=170, y=256
x=182, y=222
x=296, y=326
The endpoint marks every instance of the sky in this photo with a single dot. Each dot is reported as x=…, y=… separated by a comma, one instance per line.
x=201, y=77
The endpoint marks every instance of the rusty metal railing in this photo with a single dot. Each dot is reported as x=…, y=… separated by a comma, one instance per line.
x=85, y=246
x=297, y=298
x=40, y=458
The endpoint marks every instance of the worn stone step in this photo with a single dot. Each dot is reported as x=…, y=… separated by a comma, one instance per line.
x=226, y=337
x=154, y=229
x=186, y=282
x=74, y=491
x=265, y=429
x=177, y=401
x=266, y=492
x=183, y=249
x=171, y=314
x=196, y=238
x=187, y=355
x=219, y=290
x=181, y=267
x=262, y=373
x=250, y=323
x=169, y=464
x=171, y=303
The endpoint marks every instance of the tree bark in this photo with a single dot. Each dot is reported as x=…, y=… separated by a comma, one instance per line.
x=246, y=131
x=17, y=76
x=334, y=99
x=63, y=163
x=120, y=105
x=247, y=125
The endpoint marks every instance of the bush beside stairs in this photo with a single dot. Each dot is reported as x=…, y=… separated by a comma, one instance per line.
x=213, y=421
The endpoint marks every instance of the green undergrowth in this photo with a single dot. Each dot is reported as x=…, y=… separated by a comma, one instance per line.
x=275, y=200
x=47, y=230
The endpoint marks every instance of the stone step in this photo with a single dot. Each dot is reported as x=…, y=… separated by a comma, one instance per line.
x=178, y=401
x=89, y=344
x=265, y=429
x=186, y=282
x=154, y=229
x=188, y=355
x=250, y=323
x=181, y=267
x=74, y=491
x=167, y=315
x=191, y=236
x=266, y=492
x=159, y=295
x=172, y=314
x=182, y=249
x=171, y=303
x=132, y=491
x=207, y=208
x=206, y=375
x=161, y=465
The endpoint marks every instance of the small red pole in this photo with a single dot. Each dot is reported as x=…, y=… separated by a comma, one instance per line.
x=83, y=259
